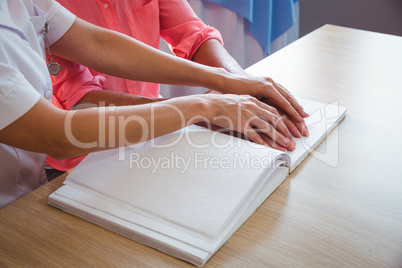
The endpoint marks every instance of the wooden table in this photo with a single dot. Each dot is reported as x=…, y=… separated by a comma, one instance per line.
x=340, y=208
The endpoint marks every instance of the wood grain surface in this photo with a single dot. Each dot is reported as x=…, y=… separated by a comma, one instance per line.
x=342, y=207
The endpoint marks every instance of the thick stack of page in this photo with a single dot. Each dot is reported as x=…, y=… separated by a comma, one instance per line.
x=187, y=192
x=322, y=120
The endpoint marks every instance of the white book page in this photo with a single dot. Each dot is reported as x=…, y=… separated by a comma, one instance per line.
x=116, y=217
x=198, y=183
x=93, y=212
x=323, y=118
x=190, y=185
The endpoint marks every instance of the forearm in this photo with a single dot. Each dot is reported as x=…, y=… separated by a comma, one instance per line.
x=125, y=125
x=212, y=53
x=64, y=134
x=118, y=55
x=106, y=98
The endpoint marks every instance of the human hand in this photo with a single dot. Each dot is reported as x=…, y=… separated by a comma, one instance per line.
x=251, y=117
x=266, y=89
x=297, y=129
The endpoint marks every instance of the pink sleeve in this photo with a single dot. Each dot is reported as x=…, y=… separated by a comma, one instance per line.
x=72, y=83
x=182, y=29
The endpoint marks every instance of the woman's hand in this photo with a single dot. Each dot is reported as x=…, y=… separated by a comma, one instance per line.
x=297, y=129
x=251, y=117
x=266, y=89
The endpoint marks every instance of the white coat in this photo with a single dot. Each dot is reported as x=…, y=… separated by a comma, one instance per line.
x=24, y=79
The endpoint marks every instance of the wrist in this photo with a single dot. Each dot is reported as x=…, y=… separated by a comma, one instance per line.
x=205, y=108
x=218, y=79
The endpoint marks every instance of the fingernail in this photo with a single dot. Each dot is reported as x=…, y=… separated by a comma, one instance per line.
x=290, y=144
x=305, y=132
x=304, y=114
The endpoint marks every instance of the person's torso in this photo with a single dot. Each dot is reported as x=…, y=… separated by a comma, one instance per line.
x=138, y=19
x=22, y=171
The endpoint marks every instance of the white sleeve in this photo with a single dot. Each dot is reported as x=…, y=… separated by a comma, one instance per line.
x=17, y=96
x=59, y=18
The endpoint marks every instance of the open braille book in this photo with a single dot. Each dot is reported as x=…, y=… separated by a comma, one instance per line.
x=187, y=192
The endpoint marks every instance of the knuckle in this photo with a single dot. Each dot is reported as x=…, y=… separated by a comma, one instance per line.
x=268, y=128
x=275, y=118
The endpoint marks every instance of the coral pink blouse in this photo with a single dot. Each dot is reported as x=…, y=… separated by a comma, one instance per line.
x=147, y=21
